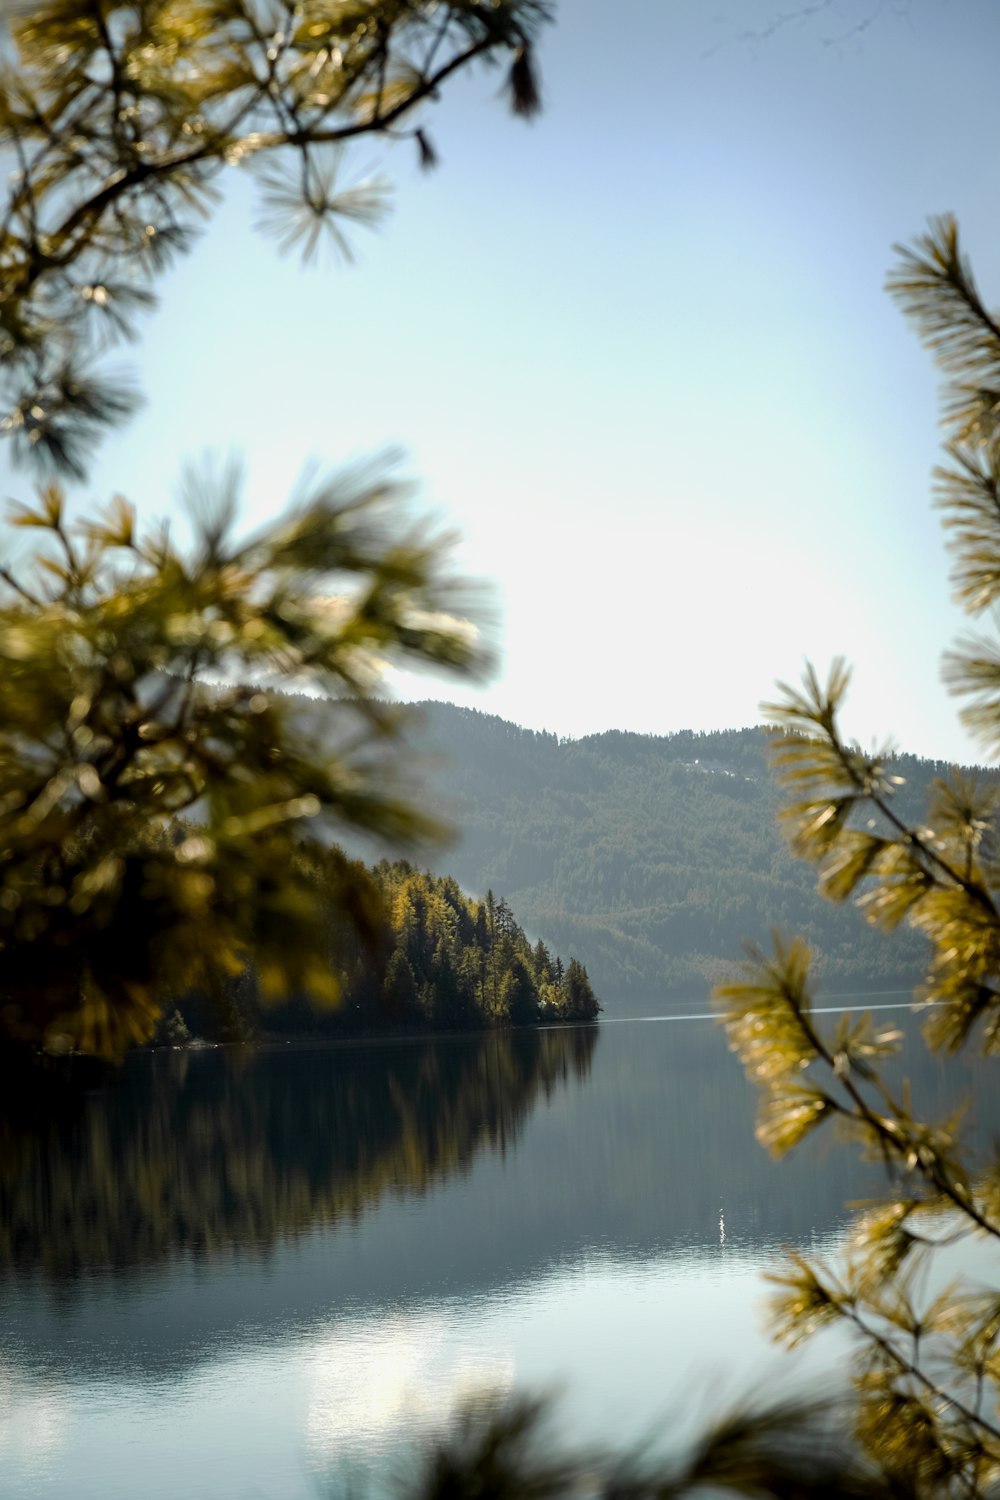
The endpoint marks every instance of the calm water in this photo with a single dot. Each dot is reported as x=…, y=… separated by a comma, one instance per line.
x=234, y=1275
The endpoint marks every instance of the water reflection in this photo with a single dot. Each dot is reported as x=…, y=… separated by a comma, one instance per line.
x=484, y=1157
x=200, y=1154
x=236, y=1275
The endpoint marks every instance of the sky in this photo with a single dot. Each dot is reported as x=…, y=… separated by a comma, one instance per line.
x=637, y=354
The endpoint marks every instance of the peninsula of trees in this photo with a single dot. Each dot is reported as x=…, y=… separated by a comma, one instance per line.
x=428, y=958
x=458, y=962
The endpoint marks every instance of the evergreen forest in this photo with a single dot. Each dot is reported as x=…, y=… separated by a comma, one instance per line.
x=427, y=957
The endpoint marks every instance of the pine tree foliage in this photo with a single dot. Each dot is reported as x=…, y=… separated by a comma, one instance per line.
x=455, y=962
x=927, y=1360
x=507, y=1450
x=117, y=118
x=153, y=806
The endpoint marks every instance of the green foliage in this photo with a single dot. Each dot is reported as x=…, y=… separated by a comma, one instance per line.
x=124, y=708
x=455, y=963
x=926, y=1369
x=118, y=120
x=579, y=996
x=420, y=956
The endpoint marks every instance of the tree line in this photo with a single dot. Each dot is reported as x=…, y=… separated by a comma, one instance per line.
x=432, y=958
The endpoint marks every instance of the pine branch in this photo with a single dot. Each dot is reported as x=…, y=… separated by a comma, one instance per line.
x=934, y=284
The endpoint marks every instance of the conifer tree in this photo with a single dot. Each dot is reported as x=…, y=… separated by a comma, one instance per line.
x=542, y=963
x=928, y=1361
x=400, y=987
x=518, y=995
x=579, y=1003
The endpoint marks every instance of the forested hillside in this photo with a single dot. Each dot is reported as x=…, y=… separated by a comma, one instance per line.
x=654, y=857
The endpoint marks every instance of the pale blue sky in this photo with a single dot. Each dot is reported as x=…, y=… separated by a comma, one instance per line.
x=638, y=355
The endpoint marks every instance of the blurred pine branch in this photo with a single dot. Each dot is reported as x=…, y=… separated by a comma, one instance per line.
x=926, y=1367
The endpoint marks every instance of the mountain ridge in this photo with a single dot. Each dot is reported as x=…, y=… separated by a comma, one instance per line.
x=656, y=857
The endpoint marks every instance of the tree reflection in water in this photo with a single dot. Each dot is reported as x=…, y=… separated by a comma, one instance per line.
x=200, y=1154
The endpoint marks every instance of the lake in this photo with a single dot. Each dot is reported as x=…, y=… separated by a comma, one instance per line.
x=262, y=1273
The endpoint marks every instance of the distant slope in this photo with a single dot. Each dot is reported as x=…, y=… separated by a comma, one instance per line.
x=654, y=857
